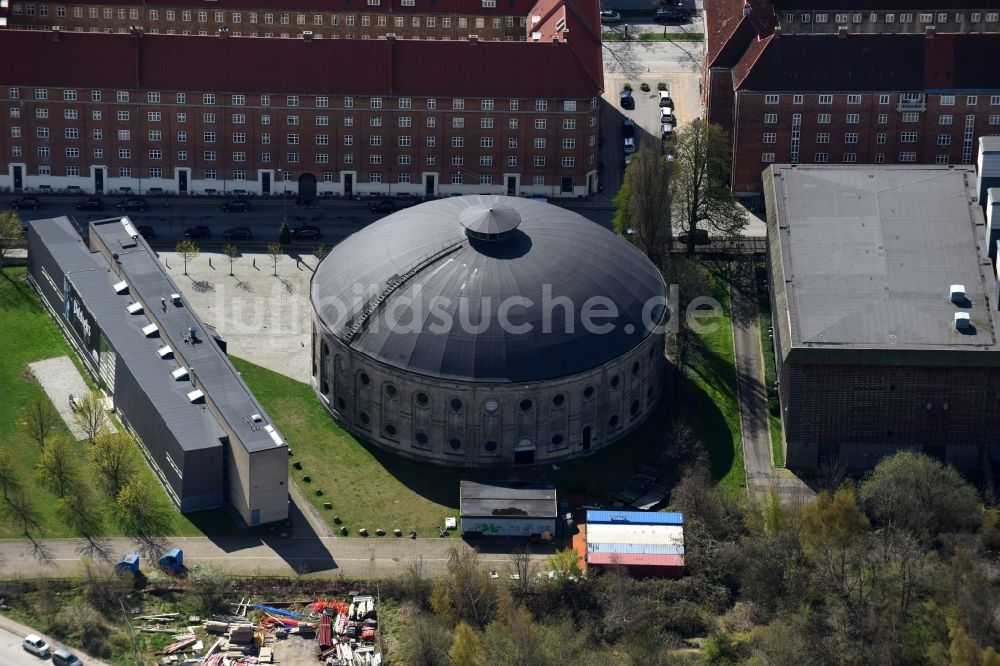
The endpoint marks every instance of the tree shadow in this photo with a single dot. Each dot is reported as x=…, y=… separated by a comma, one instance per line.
x=287, y=285
x=95, y=548
x=41, y=552
x=710, y=424
x=243, y=285
x=202, y=286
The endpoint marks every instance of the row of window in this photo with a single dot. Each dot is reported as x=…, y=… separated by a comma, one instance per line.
x=456, y=178
x=268, y=18
x=852, y=158
x=883, y=118
x=296, y=158
x=945, y=100
x=880, y=137
x=904, y=17
x=319, y=102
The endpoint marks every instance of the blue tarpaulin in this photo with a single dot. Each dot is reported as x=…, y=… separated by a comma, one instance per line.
x=278, y=611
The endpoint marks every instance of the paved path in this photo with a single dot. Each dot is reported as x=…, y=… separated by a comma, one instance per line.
x=12, y=654
x=375, y=557
x=60, y=379
x=761, y=474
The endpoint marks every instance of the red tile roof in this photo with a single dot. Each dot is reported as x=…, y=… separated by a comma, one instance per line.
x=731, y=27
x=321, y=66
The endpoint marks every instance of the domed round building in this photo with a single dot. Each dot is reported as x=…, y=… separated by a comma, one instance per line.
x=487, y=330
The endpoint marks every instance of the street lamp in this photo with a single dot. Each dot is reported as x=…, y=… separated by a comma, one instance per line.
x=284, y=197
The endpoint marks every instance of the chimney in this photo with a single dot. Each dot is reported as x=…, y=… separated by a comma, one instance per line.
x=135, y=30
x=842, y=32
x=390, y=36
x=777, y=32
x=930, y=31
x=55, y=33
x=307, y=35
x=747, y=9
x=224, y=33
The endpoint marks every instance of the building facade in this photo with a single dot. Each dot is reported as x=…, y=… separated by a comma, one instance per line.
x=886, y=315
x=912, y=83
x=156, y=113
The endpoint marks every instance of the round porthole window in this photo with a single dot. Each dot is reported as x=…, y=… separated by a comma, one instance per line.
x=613, y=421
x=365, y=380
x=390, y=429
x=421, y=437
x=525, y=405
x=557, y=440
x=390, y=390
x=634, y=409
x=615, y=381
x=341, y=403
x=455, y=444
x=456, y=405
x=588, y=392
x=364, y=418
x=558, y=400
x=422, y=399
x=491, y=406
x=490, y=446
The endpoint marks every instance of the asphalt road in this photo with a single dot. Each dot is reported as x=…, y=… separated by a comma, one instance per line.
x=12, y=654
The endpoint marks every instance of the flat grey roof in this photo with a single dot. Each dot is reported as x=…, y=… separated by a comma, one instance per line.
x=212, y=372
x=91, y=276
x=866, y=255
x=498, y=500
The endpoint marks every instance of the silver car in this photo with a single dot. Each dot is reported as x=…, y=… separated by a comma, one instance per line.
x=36, y=646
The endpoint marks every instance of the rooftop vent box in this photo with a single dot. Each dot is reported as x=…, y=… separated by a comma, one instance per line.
x=957, y=293
x=180, y=374
x=121, y=287
x=176, y=298
x=135, y=308
x=257, y=418
x=150, y=330
x=962, y=321
x=195, y=395
x=165, y=351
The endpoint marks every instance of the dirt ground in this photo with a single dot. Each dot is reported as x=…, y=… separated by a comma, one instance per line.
x=296, y=651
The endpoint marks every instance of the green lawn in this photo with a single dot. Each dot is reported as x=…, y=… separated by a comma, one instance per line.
x=708, y=384
x=770, y=373
x=654, y=37
x=28, y=334
x=375, y=489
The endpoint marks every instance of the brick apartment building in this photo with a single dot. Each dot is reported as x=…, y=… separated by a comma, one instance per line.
x=838, y=82
x=884, y=304
x=142, y=111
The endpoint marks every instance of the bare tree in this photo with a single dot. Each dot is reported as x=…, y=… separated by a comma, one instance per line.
x=643, y=204
x=275, y=251
x=522, y=569
x=8, y=472
x=40, y=420
x=89, y=414
x=231, y=252
x=11, y=236
x=702, y=198
x=188, y=251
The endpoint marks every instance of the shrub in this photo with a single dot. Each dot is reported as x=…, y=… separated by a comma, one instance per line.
x=661, y=85
x=644, y=87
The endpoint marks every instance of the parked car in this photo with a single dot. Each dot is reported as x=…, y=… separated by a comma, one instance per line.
x=610, y=16
x=199, y=231
x=666, y=115
x=626, y=99
x=36, y=646
x=669, y=15
x=132, y=203
x=628, y=129
x=236, y=206
x=306, y=232
x=382, y=206
x=629, y=146
x=665, y=99
x=93, y=203
x=628, y=159
x=63, y=657
x=237, y=233
x=666, y=130
x=700, y=237
x=26, y=202
x=146, y=232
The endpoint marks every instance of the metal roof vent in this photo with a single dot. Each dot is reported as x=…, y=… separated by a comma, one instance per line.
x=135, y=308
x=195, y=395
x=151, y=330
x=180, y=374
x=489, y=224
x=165, y=351
x=957, y=293
x=120, y=287
x=962, y=321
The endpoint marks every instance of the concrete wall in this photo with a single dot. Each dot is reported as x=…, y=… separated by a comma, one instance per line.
x=504, y=526
x=478, y=424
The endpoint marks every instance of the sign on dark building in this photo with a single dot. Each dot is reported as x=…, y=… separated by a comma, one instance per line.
x=81, y=322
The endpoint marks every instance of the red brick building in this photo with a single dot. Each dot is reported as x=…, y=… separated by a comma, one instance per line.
x=141, y=112
x=885, y=314
x=804, y=81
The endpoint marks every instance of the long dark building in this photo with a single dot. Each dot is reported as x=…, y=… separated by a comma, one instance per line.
x=204, y=434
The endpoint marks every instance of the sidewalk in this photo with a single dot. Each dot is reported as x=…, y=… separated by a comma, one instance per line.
x=21, y=630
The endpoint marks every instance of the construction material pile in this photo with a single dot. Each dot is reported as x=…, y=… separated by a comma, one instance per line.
x=347, y=632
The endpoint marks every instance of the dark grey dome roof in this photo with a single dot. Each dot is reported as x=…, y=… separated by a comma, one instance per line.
x=389, y=290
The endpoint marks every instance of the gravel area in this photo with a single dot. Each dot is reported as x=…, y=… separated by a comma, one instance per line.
x=60, y=378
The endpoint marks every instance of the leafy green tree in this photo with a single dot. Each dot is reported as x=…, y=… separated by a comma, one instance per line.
x=21, y=507
x=284, y=234
x=467, y=593
x=79, y=509
x=642, y=205
x=231, y=252
x=565, y=563
x=702, y=198
x=11, y=236
x=913, y=492
x=139, y=511
x=114, y=457
x=320, y=251
x=58, y=467
x=423, y=641
x=89, y=414
x=275, y=251
x=188, y=251
x=467, y=647
x=831, y=521
x=8, y=472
